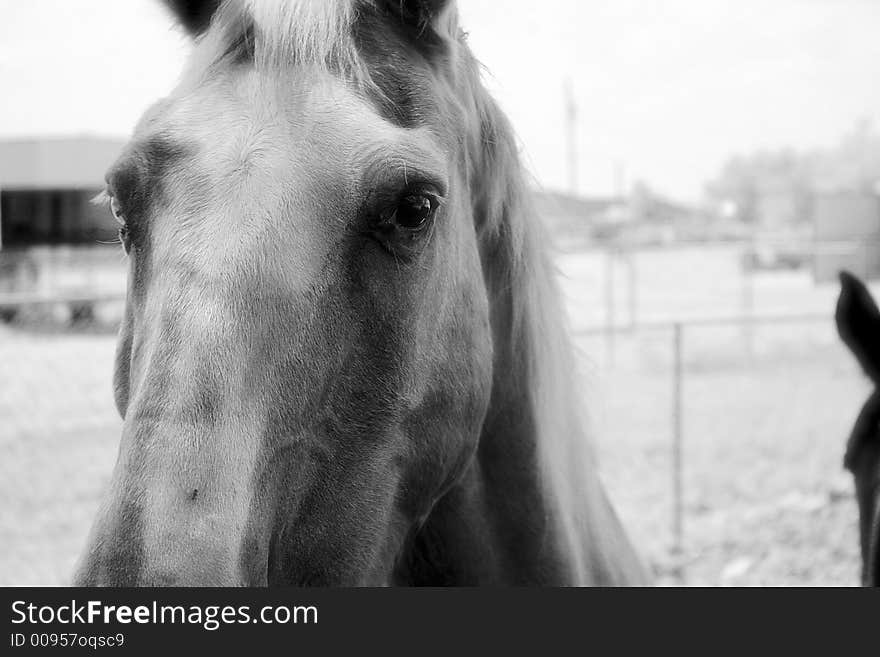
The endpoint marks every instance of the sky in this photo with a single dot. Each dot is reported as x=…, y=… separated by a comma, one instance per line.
x=664, y=91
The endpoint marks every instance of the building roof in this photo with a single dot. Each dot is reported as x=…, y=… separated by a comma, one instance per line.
x=561, y=203
x=56, y=162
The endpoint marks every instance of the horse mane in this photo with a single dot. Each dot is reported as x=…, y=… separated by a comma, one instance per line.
x=522, y=253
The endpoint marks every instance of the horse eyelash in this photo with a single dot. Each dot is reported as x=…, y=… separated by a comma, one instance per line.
x=101, y=199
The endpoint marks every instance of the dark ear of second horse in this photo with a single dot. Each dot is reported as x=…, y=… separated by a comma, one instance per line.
x=858, y=323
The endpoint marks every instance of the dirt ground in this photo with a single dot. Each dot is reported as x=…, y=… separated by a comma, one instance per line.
x=765, y=419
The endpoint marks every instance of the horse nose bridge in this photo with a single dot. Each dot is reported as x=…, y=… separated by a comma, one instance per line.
x=179, y=509
x=196, y=514
x=154, y=546
x=199, y=551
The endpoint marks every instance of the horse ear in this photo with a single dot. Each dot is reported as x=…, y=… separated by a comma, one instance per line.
x=418, y=14
x=194, y=15
x=858, y=323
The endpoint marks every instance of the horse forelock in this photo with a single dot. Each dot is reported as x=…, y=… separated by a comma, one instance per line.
x=522, y=265
x=277, y=33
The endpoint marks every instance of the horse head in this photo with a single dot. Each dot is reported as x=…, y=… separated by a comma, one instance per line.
x=327, y=367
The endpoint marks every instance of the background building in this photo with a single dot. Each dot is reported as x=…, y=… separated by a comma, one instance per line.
x=53, y=239
x=45, y=190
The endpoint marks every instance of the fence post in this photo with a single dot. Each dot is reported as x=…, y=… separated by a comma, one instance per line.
x=747, y=309
x=632, y=297
x=677, y=457
x=609, y=308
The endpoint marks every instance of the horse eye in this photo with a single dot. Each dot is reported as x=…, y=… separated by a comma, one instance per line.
x=116, y=211
x=119, y=216
x=414, y=210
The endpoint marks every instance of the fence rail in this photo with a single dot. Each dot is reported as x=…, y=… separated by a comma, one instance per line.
x=15, y=301
x=703, y=320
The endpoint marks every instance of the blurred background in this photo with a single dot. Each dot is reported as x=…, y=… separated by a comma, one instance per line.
x=706, y=167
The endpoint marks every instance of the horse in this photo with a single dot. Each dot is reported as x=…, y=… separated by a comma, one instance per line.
x=343, y=359
x=858, y=323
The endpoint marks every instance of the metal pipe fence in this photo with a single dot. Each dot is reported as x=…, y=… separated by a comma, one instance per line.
x=677, y=331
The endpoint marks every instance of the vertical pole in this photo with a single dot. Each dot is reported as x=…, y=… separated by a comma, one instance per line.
x=571, y=136
x=677, y=460
x=633, y=296
x=748, y=306
x=619, y=174
x=609, y=308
